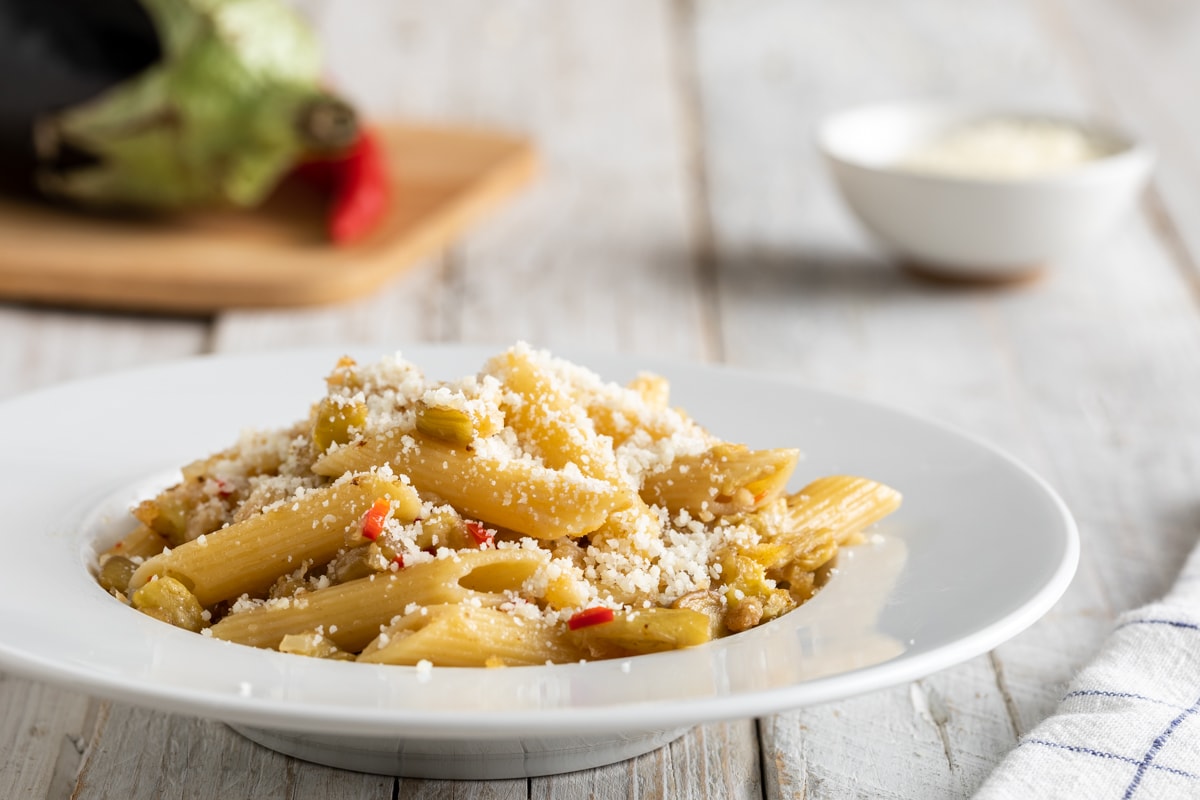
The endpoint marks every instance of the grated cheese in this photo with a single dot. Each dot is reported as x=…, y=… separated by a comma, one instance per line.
x=644, y=557
x=1006, y=148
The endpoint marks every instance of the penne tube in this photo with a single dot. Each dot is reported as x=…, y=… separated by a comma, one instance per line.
x=351, y=614
x=650, y=630
x=518, y=494
x=546, y=416
x=247, y=557
x=653, y=390
x=843, y=504
x=621, y=412
x=143, y=542
x=803, y=545
x=464, y=636
x=727, y=479
x=188, y=509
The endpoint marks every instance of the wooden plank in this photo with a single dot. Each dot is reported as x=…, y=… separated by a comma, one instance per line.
x=144, y=753
x=1138, y=61
x=44, y=730
x=795, y=272
x=42, y=346
x=710, y=761
x=1086, y=375
x=919, y=740
x=601, y=255
x=595, y=255
x=1085, y=435
x=417, y=307
x=276, y=255
x=462, y=790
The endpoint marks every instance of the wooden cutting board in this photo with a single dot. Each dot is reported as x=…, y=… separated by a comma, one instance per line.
x=277, y=255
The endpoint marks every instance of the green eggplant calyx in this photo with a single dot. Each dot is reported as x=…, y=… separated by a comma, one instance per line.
x=233, y=104
x=327, y=125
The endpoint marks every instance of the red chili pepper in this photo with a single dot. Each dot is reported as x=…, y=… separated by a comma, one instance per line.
x=372, y=522
x=363, y=191
x=481, y=534
x=399, y=560
x=359, y=183
x=596, y=615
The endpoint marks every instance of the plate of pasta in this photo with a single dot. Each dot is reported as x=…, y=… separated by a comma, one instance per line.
x=480, y=563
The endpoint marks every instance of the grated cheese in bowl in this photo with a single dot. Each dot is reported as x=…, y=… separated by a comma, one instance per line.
x=1006, y=148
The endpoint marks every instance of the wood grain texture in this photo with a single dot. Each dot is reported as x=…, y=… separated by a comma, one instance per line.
x=444, y=178
x=595, y=255
x=44, y=730
x=611, y=208
x=462, y=790
x=950, y=724
x=710, y=761
x=1013, y=365
x=683, y=212
x=1138, y=63
x=41, y=346
x=793, y=271
x=148, y=754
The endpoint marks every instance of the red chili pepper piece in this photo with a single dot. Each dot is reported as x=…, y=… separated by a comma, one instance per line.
x=359, y=184
x=596, y=615
x=372, y=522
x=399, y=560
x=362, y=190
x=480, y=533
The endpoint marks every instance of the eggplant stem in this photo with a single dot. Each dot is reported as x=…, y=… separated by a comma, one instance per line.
x=327, y=124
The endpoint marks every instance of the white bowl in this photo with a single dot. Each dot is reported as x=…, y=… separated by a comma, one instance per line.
x=981, y=228
x=981, y=549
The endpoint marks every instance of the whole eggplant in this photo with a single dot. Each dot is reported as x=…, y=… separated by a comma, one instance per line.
x=160, y=104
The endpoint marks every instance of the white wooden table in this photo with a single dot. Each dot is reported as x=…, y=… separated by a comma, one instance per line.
x=683, y=212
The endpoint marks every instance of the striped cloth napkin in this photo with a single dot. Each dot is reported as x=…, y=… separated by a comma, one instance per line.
x=1129, y=725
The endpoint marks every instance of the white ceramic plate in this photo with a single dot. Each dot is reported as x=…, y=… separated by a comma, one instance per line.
x=981, y=548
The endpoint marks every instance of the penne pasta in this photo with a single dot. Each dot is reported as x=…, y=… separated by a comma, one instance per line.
x=726, y=479
x=465, y=636
x=351, y=614
x=650, y=630
x=531, y=513
x=840, y=503
x=249, y=556
x=143, y=542
x=519, y=495
x=543, y=413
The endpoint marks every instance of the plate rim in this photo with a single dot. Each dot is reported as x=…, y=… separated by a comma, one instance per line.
x=279, y=714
